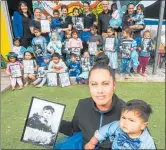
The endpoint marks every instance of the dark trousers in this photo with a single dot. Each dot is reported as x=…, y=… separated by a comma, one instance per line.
x=143, y=62
x=26, y=42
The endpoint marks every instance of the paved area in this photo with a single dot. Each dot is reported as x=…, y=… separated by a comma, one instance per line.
x=159, y=77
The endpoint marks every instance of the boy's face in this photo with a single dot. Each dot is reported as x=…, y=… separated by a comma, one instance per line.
x=37, y=33
x=47, y=114
x=16, y=43
x=132, y=124
x=110, y=32
x=46, y=60
x=93, y=31
x=73, y=59
x=56, y=15
x=139, y=10
x=124, y=34
x=147, y=35
x=56, y=60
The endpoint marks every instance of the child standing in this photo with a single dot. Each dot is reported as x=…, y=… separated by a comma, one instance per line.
x=55, y=44
x=75, y=44
x=145, y=49
x=28, y=56
x=85, y=68
x=19, y=50
x=138, y=19
x=97, y=40
x=130, y=132
x=42, y=71
x=74, y=67
x=128, y=53
x=40, y=46
x=15, y=75
x=56, y=21
x=111, y=47
x=57, y=65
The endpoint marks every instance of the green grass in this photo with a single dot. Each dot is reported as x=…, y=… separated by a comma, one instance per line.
x=15, y=107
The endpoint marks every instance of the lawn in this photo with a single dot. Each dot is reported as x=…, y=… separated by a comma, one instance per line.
x=14, y=108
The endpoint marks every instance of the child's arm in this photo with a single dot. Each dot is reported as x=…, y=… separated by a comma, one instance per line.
x=8, y=70
x=50, y=67
x=81, y=46
x=36, y=66
x=92, y=143
x=134, y=45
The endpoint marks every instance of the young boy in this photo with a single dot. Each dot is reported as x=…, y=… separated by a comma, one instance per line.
x=56, y=21
x=42, y=71
x=39, y=45
x=42, y=125
x=57, y=65
x=130, y=132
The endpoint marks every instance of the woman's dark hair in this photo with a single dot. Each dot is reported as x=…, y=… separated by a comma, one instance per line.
x=104, y=67
x=128, y=6
x=64, y=7
x=141, y=6
x=114, y=5
x=56, y=55
x=16, y=39
x=19, y=8
x=140, y=106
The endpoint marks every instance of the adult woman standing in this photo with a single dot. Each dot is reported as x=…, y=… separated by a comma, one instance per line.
x=21, y=20
x=103, y=106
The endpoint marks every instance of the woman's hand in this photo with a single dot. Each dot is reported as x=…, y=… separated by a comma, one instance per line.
x=89, y=146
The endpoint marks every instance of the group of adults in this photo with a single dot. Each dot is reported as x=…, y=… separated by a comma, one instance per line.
x=24, y=22
x=103, y=106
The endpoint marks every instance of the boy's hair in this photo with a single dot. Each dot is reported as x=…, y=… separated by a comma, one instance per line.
x=147, y=31
x=94, y=26
x=16, y=39
x=56, y=11
x=73, y=55
x=38, y=29
x=74, y=31
x=128, y=31
x=141, y=6
x=49, y=108
x=110, y=28
x=56, y=55
x=140, y=106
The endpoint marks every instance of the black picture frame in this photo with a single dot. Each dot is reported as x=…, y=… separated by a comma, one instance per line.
x=64, y=79
x=38, y=136
x=53, y=81
x=15, y=70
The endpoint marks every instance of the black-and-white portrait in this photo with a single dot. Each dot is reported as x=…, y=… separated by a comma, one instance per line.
x=78, y=22
x=15, y=71
x=28, y=66
x=109, y=44
x=42, y=72
x=45, y=26
x=37, y=50
x=64, y=79
x=76, y=51
x=52, y=79
x=146, y=45
x=126, y=49
x=42, y=123
x=92, y=47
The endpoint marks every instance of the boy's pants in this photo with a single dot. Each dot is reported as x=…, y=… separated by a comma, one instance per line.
x=143, y=62
x=41, y=80
x=124, y=66
x=16, y=80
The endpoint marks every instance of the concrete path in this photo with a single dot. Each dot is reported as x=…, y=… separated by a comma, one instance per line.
x=159, y=77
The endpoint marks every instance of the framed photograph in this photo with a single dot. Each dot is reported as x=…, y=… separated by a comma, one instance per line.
x=42, y=72
x=15, y=71
x=109, y=44
x=45, y=26
x=145, y=46
x=78, y=22
x=52, y=79
x=37, y=50
x=42, y=122
x=76, y=50
x=28, y=66
x=92, y=47
x=126, y=49
x=64, y=79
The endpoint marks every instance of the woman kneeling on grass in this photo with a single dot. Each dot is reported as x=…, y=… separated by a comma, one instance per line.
x=100, y=109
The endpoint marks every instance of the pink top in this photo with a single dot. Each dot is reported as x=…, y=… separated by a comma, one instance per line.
x=75, y=43
x=8, y=71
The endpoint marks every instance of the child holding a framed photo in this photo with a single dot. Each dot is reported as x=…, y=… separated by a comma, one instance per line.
x=42, y=72
x=13, y=69
x=74, y=67
x=111, y=47
x=57, y=65
x=39, y=45
x=30, y=67
x=94, y=42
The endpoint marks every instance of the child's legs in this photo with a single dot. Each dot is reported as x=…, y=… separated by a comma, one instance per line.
x=19, y=81
x=144, y=64
x=43, y=81
x=122, y=66
x=13, y=82
x=140, y=64
x=92, y=58
x=32, y=76
x=26, y=78
x=127, y=68
x=37, y=81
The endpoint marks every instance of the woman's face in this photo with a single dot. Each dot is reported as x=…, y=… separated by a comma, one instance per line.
x=24, y=8
x=37, y=14
x=86, y=7
x=101, y=87
x=64, y=11
x=130, y=9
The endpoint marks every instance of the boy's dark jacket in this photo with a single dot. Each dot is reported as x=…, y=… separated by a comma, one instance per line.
x=88, y=119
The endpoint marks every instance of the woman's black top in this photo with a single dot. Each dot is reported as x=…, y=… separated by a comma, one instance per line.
x=26, y=31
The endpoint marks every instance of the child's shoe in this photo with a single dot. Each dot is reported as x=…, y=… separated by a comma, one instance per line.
x=38, y=86
x=21, y=87
x=13, y=88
